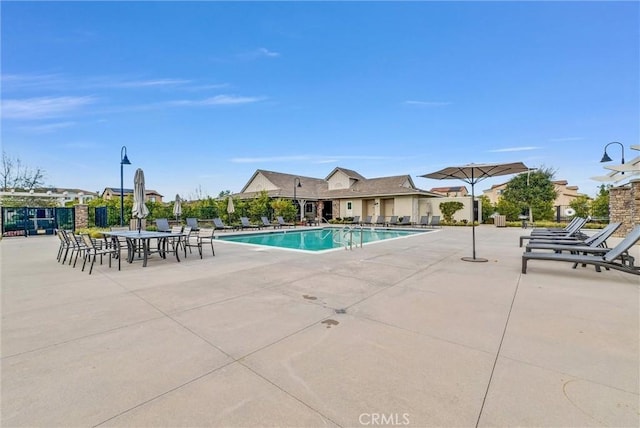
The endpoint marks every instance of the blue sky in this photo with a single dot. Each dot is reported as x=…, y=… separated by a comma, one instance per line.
x=202, y=94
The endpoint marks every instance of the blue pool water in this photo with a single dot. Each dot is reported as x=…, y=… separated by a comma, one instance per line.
x=317, y=239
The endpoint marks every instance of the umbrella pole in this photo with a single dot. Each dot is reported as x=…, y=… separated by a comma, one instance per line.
x=473, y=227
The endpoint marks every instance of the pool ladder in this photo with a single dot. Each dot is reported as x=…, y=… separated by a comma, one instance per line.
x=346, y=237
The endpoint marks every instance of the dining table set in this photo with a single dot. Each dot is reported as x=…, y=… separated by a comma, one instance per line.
x=140, y=243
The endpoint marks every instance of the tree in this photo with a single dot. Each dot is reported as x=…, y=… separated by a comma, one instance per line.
x=260, y=206
x=581, y=205
x=600, y=205
x=533, y=192
x=15, y=175
x=284, y=208
x=487, y=208
x=448, y=209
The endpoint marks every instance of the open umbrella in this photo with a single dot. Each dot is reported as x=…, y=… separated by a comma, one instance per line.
x=139, y=209
x=471, y=174
x=230, y=208
x=177, y=207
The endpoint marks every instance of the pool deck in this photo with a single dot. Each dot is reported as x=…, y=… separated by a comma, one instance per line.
x=258, y=337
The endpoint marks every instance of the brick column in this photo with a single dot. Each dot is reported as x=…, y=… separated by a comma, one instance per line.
x=82, y=216
x=624, y=206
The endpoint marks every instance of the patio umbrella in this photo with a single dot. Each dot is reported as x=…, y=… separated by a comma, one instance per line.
x=139, y=209
x=230, y=208
x=471, y=174
x=177, y=207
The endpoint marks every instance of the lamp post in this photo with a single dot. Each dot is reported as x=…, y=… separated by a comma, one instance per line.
x=294, y=193
x=606, y=158
x=124, y=160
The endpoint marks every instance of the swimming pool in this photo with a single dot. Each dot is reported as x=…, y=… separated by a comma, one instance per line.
x=318, y=239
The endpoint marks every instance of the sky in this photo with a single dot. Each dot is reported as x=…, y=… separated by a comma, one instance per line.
x=202, y=94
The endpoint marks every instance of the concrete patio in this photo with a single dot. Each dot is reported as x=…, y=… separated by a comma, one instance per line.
x=256, y=337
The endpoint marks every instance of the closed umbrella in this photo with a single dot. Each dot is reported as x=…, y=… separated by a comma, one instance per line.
x=471, y=174
x=139, y=210
x=177, y=207
x=230, y=208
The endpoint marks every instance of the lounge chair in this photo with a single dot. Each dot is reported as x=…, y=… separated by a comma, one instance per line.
x=281, y=222
x=571, y=233
x=380, y=221
x=193, y=223
x=366, y=221
x=162, y=225
x=219, y=224
x=616, y=258
x=267, y=223
x=356, y=220
x=406, y=221
x=393, y=221
x=597, y=240
x=424, y=221
x=245, y=224
x=435, y=221
x=546, y=230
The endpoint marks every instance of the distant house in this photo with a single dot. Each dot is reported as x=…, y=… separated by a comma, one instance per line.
x=451, y=191
x=343, y=193
x=62, y=195
x=565, y=193
x=114, y=192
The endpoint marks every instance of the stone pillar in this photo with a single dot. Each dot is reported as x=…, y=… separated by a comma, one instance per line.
x=82, y=216
x=624, y=206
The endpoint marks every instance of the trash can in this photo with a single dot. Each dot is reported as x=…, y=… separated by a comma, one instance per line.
x=500, y=220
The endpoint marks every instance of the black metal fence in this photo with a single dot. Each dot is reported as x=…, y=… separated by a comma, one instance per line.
x=25, y=221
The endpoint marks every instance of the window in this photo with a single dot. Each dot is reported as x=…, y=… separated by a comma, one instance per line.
x=348, y=205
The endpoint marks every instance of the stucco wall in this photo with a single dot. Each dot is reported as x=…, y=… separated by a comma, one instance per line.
x=463, y=214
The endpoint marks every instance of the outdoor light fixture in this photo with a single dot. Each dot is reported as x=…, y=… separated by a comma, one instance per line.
x=124, y=160
x=606, y=158
x=294, y=193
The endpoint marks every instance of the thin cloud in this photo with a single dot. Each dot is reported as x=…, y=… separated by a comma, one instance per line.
x=428, y=103
x=46, y=128
x=258, y=54
x=514, y=149
x=43, y=107
x=215, y=101
x=565, y=139
x=150, y=83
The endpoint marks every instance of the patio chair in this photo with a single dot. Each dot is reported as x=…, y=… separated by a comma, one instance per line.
x=204, y=234
x=434, y=222
x=192, y=223
x=219, y=224
x=366, y=221
x=379, y=221
x=617, y=258
x=77, y=247
x=393, y=221
x=162, y=225
x=356, y=220
x=545, y=230
x=406, y=221
x=245, y=224
x=92, y=250
x=64, y=245
x=571, y=233
x=267, y=223
x=597, y=240
x=281, y=222
x=424, y=221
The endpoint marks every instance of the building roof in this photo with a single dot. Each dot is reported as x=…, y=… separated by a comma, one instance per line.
x=116, y=190
x=317, y=188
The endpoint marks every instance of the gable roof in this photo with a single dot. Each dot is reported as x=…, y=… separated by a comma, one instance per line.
x=317, y=188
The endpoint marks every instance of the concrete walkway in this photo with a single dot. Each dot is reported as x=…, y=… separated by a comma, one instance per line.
x=259, y=338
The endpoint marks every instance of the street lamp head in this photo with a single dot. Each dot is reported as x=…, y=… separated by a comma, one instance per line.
x=605, y=157
x=124, y=160
x=299, y=184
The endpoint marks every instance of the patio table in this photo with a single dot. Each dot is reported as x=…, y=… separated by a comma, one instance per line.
x=136, y=238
